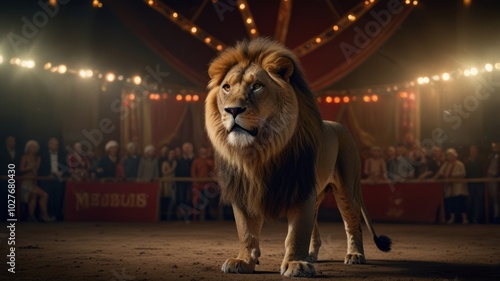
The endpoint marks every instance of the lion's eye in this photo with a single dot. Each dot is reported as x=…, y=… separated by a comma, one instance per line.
x=257, y=86
x=226, y=88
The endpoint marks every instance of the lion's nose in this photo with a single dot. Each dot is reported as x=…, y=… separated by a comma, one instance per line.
x=235, y=110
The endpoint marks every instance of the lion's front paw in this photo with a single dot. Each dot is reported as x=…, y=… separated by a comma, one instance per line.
x=297, y=269
x=354, y=259
x=237, y=266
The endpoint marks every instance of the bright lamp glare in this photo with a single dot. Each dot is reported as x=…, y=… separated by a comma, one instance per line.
x=110, y=77
x=137, y=80
x=488, y=67
x=62, y=69
x=445, y=76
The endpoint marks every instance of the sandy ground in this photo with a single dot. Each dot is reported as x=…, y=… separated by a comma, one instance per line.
x=195, y=251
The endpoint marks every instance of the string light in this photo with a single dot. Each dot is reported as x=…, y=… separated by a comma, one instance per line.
x=249, y=20
x=488, y=67
x=346, y=99
x=242, y=6
x=474, y=71
x=175, y=15
x=137, y=80
x=318, y=40
x=208, y=40
x=335, y=27
x=196, y=97
x=445, y=76
x=194, y=29
x=62, y=69
x=110, y=77
x=366, y=98
x=178, y=97
x=328, y=99
x=374, y=98
x=188, y=98
x=253, y=31
x=336, y=100
x=351, y=17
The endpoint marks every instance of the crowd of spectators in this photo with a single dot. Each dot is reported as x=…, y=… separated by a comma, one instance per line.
x=464, y=201
x=34, y=164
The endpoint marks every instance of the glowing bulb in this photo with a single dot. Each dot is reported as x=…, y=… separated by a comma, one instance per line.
x=336, y=100
x=408, y=2
x=188, y=97
x=420, y=80
x=219, y=47
x=497, y=65
x=415, y=3
x=474, y=71
x=196, y=98
x=47, y=66
x=178, y=97
x=28, y=64
x=15, y=61
x=242, y=6
x=488, y=67
x=175, y=15
x=335, y=27
x=435, y=77
x=346, y=99
x=131, y=97
x=151, y=2
x=351, y=17
x=366, y=98
x=249, y=20
x=62, y=69
x=328, y=99
x=208, y=40
x=120, y=77
x=194, y=29
x=110, y=77
x=466, y=72
x=137, y=80
x=89, y=73
x=403, y=95
x=426, y=80
x=445, y=76
x=374, y=98
x=253, y=31
x=318, y=40
x=82, y=73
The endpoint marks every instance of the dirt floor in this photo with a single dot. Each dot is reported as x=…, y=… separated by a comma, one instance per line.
x=196, y=251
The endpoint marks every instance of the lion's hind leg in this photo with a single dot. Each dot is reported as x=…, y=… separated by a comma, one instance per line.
x=351, y=215
x=315, y=243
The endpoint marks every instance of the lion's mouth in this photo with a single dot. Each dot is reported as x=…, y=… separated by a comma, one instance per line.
x=238, y=128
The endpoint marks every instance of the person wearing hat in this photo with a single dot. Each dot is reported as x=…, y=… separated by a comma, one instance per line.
x=455, y=193
x=148, y=167
x=131, y=162
x=106, y=167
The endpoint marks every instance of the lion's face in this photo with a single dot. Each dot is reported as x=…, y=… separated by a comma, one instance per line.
x=254, y=108
x=252, y=105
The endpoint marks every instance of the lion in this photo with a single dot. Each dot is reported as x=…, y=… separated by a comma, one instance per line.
x=275, y=157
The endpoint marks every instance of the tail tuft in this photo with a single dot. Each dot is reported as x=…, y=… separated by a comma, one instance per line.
x=383, y=243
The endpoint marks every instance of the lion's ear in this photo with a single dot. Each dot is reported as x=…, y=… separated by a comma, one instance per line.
x=283, y=67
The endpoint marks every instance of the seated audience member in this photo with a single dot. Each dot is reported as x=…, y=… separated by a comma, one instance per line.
x=106, y=167
x=474, y=169
x=131, y=162
x=168, y=187
x=148, y=167
x=78, y=163
x=31, y=193
x=375, y=166
x=434, y=162
x=94, y=164
x=404, y=167
x=455, y=193
x=418, y=160
x=9, y=155
x=493, y=171
x=202, y=168
x=391, y=163
x=162, y=157
x=178, y=153
x=52, y=161
x=364, y=153
x=183, y=190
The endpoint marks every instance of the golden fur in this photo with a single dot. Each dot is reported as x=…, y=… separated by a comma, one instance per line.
x=275, y=157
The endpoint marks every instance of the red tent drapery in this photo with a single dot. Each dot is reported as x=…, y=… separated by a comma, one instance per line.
x=324, y=66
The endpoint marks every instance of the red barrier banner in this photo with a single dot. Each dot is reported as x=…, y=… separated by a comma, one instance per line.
x=110, y=201
x=407, y=202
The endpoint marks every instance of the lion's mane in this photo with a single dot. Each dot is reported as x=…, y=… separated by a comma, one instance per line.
x=270, y=177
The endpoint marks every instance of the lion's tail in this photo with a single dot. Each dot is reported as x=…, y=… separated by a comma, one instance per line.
x=349, y=157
